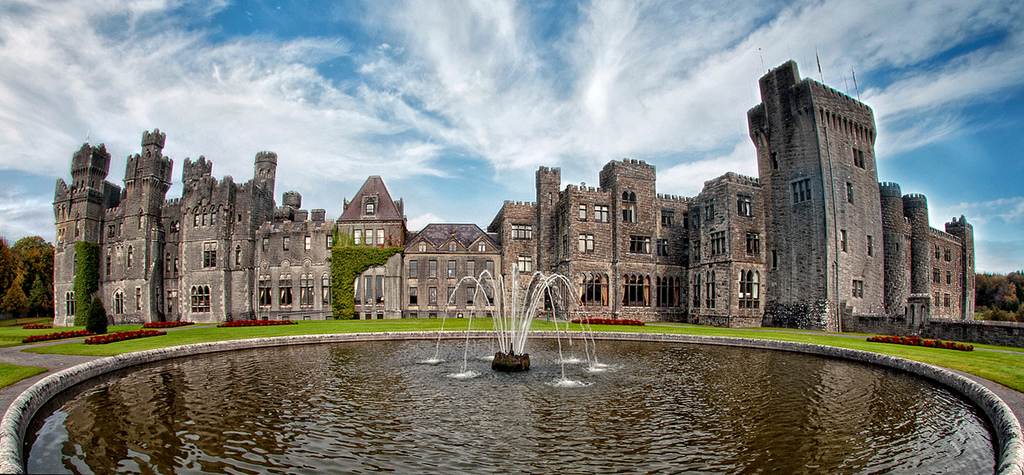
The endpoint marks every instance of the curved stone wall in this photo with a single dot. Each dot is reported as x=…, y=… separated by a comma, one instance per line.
x=1009, y=441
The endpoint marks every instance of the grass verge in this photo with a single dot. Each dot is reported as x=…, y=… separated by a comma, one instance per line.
x=10, y=374
x=1002, y=367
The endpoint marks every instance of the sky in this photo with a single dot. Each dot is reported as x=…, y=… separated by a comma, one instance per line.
x=456, y=103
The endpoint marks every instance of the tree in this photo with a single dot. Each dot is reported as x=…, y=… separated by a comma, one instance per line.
x=96, y=321
x=15, y=302
x=34, y=257
x=8, y=266
x=40, y=303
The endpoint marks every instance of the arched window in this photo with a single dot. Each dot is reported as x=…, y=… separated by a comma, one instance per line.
x=594, y=289
x=200, y=298
x=69, y=303
x=325, y=288
x=636, y=290
x=750, y=289
x=131, y=252
x=628, y=207
x=141, y=218
x=118, y=302
x=696, y=290
x=668, y=291
x=709, y=290
x=238, y=254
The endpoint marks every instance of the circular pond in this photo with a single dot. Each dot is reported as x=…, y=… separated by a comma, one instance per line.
x=374, y=406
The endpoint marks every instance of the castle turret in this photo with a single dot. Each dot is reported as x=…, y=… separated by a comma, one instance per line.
x=265, y=170
x=915, y=208
x=963, y=230
x=549, y=181
x=895, y=232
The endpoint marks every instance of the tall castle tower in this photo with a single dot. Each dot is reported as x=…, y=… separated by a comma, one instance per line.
x=815, y=149
x=895, y=248
x=549, y=181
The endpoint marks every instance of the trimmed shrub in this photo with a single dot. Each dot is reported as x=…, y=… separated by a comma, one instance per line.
x=96, y=321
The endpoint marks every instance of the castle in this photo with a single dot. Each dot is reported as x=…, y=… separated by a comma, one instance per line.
x=815, y=239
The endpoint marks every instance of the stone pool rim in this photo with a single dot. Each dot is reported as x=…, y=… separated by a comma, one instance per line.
x=1009, y=439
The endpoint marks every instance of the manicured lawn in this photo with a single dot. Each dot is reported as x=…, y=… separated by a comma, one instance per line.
x=10, y=374
x=1005, y=368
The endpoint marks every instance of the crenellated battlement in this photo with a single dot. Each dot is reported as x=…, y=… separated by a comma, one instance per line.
x=156, y=138
x=915, y=200
x=889, y=190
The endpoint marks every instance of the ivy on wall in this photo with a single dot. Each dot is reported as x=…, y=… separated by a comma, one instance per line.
x=347, y=262
x=87, y=278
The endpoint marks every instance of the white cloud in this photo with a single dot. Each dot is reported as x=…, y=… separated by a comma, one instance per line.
x=421, y=221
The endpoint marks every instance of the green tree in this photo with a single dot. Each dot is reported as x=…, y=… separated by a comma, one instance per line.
x=96, y=321
x=40, y=302
x=34, y=257
x=8, y=266
x=15, y=302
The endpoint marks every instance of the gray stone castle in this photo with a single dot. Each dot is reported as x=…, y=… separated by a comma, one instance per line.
x=815, y=240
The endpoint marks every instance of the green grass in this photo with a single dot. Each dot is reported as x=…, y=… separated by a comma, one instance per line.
x=1004, y=368
x=10, y=374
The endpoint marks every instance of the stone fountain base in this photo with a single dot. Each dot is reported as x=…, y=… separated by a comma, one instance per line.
x=510, y=362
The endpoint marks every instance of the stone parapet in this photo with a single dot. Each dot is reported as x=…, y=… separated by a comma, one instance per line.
x=1006, y=428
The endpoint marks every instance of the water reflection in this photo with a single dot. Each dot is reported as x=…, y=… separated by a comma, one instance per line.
x=371, y=406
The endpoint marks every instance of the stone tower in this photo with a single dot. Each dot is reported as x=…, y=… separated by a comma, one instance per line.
x=915, y=207
x=895, y=248
x=815, y=149
x=549, y=180
x=963, y=230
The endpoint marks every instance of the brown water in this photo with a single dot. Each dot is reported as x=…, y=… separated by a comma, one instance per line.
x=368, y=407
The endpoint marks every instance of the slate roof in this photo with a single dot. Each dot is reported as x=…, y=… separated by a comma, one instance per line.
x=439, y=233
x=386, y=209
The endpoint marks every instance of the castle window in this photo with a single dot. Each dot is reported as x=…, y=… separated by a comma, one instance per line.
x=871, y=246
x=266, y=244
x=663, y=247
x=451, y=268
x=601, y=213
x=206, y=218
x=636, y=291
x=947, y=255
x=357, y=297
x=309, y=243
x=284, y=285
x=69, y=303
x=111, y=230
x=775, y=161
x=469, y=294
x=306, y=290
x=481, y=247
x=413, y=299
x=696, y=249
x=594, y=290
x=200, y=296
x=107, y=263
x=586, y=243
x=378, y=289
x=138, y=298
x=842, y=239
x=849, y=192
x=668, y=218
x=452, y=247
x=264, y=291
x=718, y=243
x=858, y=158
x=413, y=268
x=750, y=289
x=432, y=296
x=432, y=268
x=949, y=277
x=710, y=292
x=380, y=237
x=696, y=291
x=118, y=302
x=471, y=268
x=141, y=218
x=709, y=211
x=213, y=218
x=936, y=276
x=628, y=207
x=325, y=289
x=753, y=243
x=330, y=241
x=238, y=255
x=937, y=301
x=489, y=267
x=801, y=191
x=175, y=266
x=357, y=236
x=167, y=264
x=775, y=259
x=131, y=253
x=525, y=263
x=667, y=291
x=423, y=247
x=286, y=243
x=858, y=289
x=370, y=208
x=209, y=254
x=522, y=231
x=640, y=244
x=938, y=252
x=744, y=205
x=195, y=220
x=172, y=301
x=945, y=300
x=582, y=215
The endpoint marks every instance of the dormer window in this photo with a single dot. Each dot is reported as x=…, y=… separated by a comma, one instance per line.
x=370, y=208
x=452, y=247
x=423, y=247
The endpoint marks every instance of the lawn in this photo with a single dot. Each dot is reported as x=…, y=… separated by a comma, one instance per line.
x=1005, y=368
x=10, y=374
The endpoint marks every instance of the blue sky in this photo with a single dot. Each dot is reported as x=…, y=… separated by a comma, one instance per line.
x=456, y=104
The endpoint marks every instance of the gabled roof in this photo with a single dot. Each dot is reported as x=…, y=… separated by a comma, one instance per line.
x=373, y=187
x=439, y=233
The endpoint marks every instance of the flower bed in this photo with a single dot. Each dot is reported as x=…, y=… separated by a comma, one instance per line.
x=255, y=323
x=121, y=336
x=57, y=336
x=36, y=326
x=918, y=341
x=166, y=324
x=608, y=321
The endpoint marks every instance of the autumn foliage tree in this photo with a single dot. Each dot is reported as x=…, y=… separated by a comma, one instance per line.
x=998, y=297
